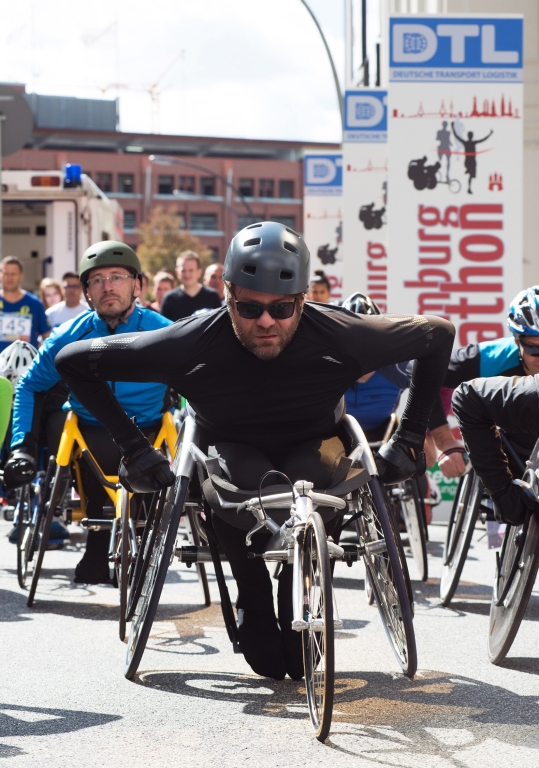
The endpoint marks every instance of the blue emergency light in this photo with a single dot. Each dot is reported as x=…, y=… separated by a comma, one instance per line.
x=72, y=177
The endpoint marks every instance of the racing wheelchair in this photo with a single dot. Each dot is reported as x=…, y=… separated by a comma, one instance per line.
x=406, y=500
x=301, y=541
x=59, y=493
x=471, y=504
x=516, y=570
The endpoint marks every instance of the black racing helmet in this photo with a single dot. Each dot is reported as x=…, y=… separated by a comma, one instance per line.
x=108, y=253
x=268, y=257
x=361, y=305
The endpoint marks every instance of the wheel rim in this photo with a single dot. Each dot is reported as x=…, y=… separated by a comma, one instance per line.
x=315, y=641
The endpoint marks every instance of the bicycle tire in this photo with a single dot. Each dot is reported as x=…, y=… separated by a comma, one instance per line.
x=123, y=568
x=462, y=521
x=318, y=646
x=160, y=557
x=505, y=619
x=24, y=533
x=413, y=518
x=386, y=575
x=151, y=529
x=52, y=502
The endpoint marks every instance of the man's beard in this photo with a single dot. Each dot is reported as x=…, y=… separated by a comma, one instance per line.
x=271, y=350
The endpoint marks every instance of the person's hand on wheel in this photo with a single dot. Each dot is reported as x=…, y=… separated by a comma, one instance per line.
x=398, y=460
x=513, y=503
x=451, y=459
x=20, y=468
x=144, y=469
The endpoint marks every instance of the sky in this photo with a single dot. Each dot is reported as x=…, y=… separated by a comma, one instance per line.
x=230, y=68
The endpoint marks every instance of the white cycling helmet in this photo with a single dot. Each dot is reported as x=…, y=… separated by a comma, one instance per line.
x=15, y=361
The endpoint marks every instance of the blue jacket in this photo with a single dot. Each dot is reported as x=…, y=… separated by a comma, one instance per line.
x=373, y=402
x=145, y=401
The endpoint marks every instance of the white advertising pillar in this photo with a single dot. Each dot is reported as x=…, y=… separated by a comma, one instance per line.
x=322, y=217
x=455, y=169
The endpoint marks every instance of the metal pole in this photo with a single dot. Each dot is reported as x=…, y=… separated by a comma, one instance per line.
x=330, y=57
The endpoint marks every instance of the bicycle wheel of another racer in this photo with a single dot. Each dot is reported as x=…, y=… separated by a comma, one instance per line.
x=378, y=535
x=319, y=637
x=461, y=526
x=157, y=556
x=415, y=527
x=516, y=570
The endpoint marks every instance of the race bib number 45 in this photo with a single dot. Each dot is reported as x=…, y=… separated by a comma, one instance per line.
x=13, y=327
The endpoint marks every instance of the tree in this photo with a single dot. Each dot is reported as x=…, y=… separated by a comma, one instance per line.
x=162, y=240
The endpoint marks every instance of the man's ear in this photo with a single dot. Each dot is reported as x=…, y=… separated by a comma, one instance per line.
x=137, y=290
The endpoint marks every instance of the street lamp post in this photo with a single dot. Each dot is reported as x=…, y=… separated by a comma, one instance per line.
x=332, y=63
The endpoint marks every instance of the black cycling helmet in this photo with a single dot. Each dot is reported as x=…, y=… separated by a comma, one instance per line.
x=268, y=257
x=108, y=253
x=361, y=305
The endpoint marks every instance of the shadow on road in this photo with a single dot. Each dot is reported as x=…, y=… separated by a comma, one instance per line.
x=38, y=721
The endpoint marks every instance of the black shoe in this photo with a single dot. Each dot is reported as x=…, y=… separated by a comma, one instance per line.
x=261, y=643
x=94, y=566
x=92, y=571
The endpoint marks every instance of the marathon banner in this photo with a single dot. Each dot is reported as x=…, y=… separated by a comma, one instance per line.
x=455, y=173
x=365, y=194
x=322, y=217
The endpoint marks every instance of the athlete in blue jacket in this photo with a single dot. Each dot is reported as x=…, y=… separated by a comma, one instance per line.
x=110, y=273
x=509, y=356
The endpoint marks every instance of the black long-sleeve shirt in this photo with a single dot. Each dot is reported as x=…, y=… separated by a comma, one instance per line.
x=265, y=403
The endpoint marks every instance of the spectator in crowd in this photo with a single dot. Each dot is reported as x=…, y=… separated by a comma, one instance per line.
x=143, y=300
x=191, y=296
x=50, y=292
x=22, y=315
x=163, y=283
x=213, y=278
x=319, y=288
x=73, y=304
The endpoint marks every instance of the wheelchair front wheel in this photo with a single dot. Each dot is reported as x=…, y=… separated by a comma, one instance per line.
x=157, y=557
x=319, y=638
x=123, y=549
x=460, y=528
x=53, y=491
x=387, y=575
x=516, y=570
x=415, y=527
x=24, y=533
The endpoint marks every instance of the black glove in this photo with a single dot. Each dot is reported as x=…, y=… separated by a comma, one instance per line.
x=513, y=503
x=144, y=469
x=20, y=468
x=396, y=462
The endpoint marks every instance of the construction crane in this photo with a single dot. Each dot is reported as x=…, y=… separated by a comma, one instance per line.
x=152, y=89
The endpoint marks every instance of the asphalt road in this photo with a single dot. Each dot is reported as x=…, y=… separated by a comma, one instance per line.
x=65, y=702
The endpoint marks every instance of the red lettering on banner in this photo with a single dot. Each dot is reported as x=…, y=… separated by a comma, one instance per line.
x=483, y=331
x=493, y=244
x=336, y=286
x=377, y=274
x=475, y=245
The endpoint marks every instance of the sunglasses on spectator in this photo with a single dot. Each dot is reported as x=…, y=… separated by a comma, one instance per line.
x=69, y=286
x=252, y=310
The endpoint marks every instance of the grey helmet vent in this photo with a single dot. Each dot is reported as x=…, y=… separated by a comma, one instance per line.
x=253, y=226
x=248, y=269
x=290, y=247
x=253, y=241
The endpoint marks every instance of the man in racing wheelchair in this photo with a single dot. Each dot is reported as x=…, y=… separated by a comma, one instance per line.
x=110, y=273
x=265, y=377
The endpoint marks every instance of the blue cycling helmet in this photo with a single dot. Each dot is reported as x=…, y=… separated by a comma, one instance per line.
x=523, y=317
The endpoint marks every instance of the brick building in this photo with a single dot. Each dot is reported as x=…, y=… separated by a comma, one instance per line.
x=216, y=185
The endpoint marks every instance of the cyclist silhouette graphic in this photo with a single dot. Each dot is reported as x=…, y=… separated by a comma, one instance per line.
x=470, y=162
x=444, y=147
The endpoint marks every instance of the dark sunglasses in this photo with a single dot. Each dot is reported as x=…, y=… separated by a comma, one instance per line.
x=250, y=310
x=530, y=349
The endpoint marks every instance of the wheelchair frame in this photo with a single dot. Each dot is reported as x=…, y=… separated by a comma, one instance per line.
x=52, y=498
x=378, y=543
